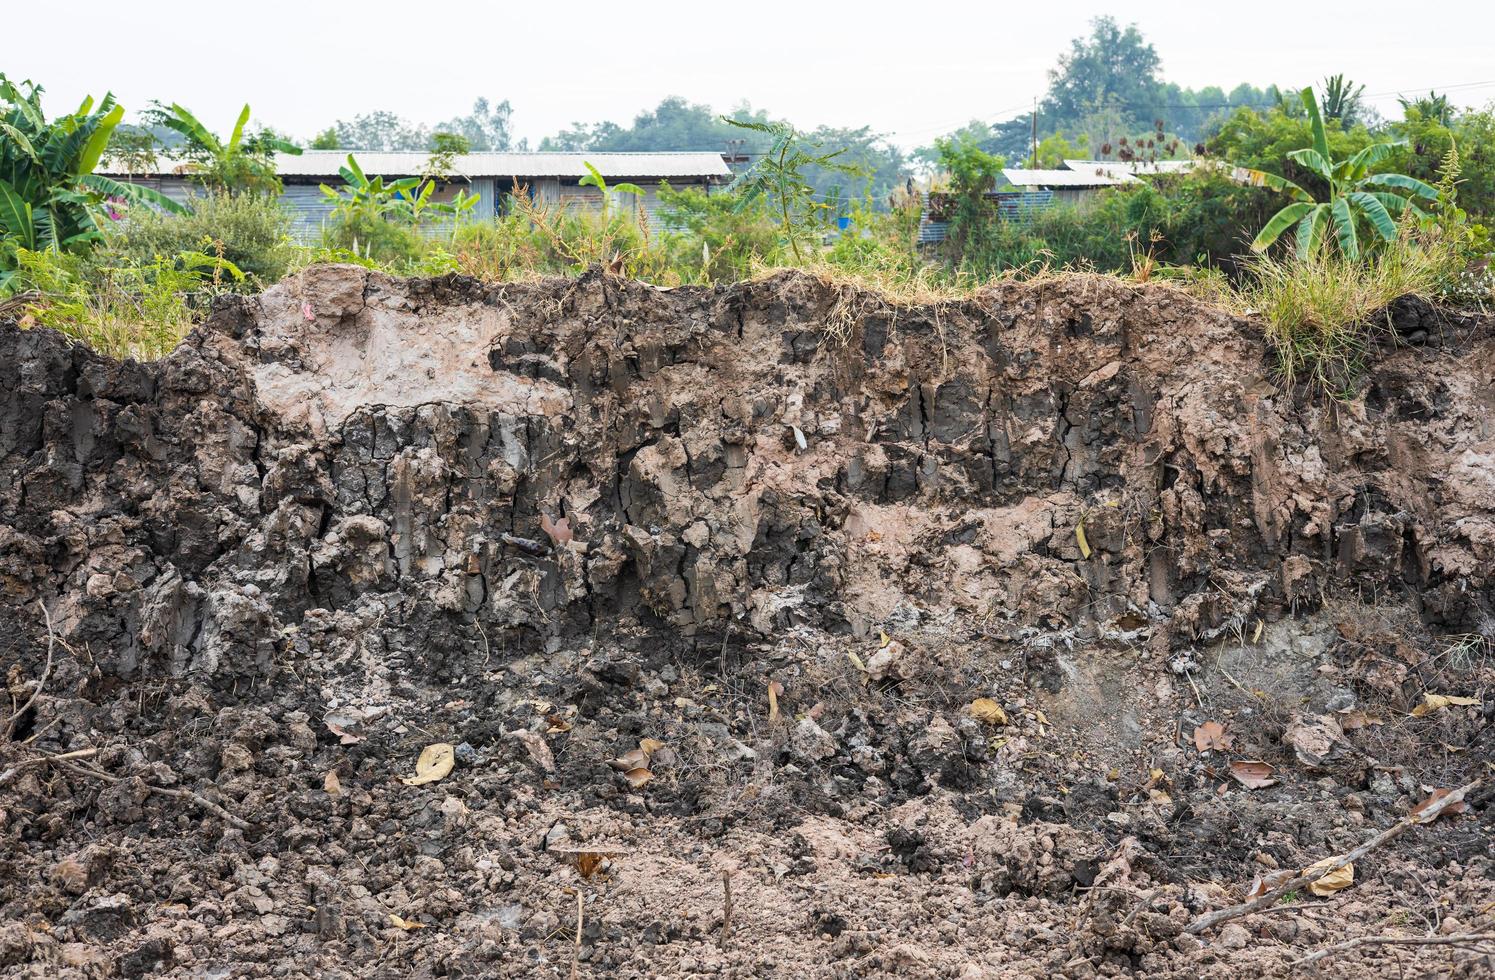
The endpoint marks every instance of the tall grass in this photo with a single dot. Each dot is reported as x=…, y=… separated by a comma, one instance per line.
x=1322, y=311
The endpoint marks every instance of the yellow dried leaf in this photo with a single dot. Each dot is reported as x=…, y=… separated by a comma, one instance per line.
x=856, y=661
x=332, y=784
x=1256, y=635
x=638, y=778
x=434, y=763
x=1336, y=880
x=988, y=711
x=650, y=745
x=1080, y=539
x=406, y=924
x=883, y=639
x=1437, y=702
x=774, y=690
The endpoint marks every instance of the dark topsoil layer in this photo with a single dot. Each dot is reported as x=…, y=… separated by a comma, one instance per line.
x=563, y=523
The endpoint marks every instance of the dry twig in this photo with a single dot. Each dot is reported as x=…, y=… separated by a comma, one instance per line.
x=1463, y=939
x=576, y=949
x=1428, y=815
x=726, y=907
x=10, y=723
x=181, y=794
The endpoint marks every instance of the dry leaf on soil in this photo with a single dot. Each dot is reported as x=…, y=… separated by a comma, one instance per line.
x=1212, y=736
x=1437, y=702
x=1437, y=794
x=557, y=725
x=587, y=862
x=638, y=778
x=1336, y=880
x=1354, y=719
x=988, y=711
x=1264, y=883
x=1253, y=773
x=632, y=759
x=535, y=745
x=1080, y=539
x=434, y=763
x=559, y=530
x=774, y=690
x=650, y=745
x=406, y=924
x=332, y=784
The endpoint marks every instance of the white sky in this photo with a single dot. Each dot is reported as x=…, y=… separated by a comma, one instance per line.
x=910, y=70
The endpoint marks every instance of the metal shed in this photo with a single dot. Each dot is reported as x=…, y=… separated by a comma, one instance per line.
x=550, y=177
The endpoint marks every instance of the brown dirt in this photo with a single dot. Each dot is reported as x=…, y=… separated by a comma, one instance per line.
x=311, y=542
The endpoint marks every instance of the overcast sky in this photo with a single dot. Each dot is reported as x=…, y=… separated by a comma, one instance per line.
x=910, y=70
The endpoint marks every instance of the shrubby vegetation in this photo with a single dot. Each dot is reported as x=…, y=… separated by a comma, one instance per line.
x=1345, y=211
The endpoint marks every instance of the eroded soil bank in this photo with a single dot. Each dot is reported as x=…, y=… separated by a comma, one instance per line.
x=546, y=523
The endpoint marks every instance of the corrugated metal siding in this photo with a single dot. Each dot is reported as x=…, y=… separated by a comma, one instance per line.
x=1018, y=207
x=588, y=198
x=622, y=166
x=1064, y=178
x=309, y=209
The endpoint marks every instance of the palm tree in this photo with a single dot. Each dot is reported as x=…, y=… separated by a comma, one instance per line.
x=1356, y=198
x=50, y=198
x=243, y=162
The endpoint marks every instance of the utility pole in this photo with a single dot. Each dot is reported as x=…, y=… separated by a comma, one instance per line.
x=1033, y=164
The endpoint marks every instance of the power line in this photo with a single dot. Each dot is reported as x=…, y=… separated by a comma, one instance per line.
x=997, y=116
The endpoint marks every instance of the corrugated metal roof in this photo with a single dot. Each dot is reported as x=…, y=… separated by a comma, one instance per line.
x=1066, y=178
x=1134, y=167
x=325, y=163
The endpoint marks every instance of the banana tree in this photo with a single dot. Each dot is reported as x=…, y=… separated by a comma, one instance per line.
x=404, y=199
x=610, y=192
x=50, y=198
x=243, y=162
x=1358, y=199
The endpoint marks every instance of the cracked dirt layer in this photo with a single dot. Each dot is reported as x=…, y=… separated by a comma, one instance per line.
x=313, y=540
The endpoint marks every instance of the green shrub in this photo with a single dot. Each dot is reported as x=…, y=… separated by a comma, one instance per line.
x=134, y=310
x=391, y=243
x=251, y=231
x=716, y=238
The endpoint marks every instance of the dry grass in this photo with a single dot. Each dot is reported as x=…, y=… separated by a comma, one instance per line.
x=1321, y=312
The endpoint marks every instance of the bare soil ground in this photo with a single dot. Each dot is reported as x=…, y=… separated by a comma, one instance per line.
x=999, y=638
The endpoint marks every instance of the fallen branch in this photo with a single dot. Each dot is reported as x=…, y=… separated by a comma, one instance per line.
x=10, y=723
x=726, y=907
x=1267, y=898
x=181, y=794
x=1465, y=939
x=9, y=774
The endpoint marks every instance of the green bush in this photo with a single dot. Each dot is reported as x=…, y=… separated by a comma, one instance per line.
x=396, y=244
x=140, y=310
x=251, y=231
x=714, y=238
